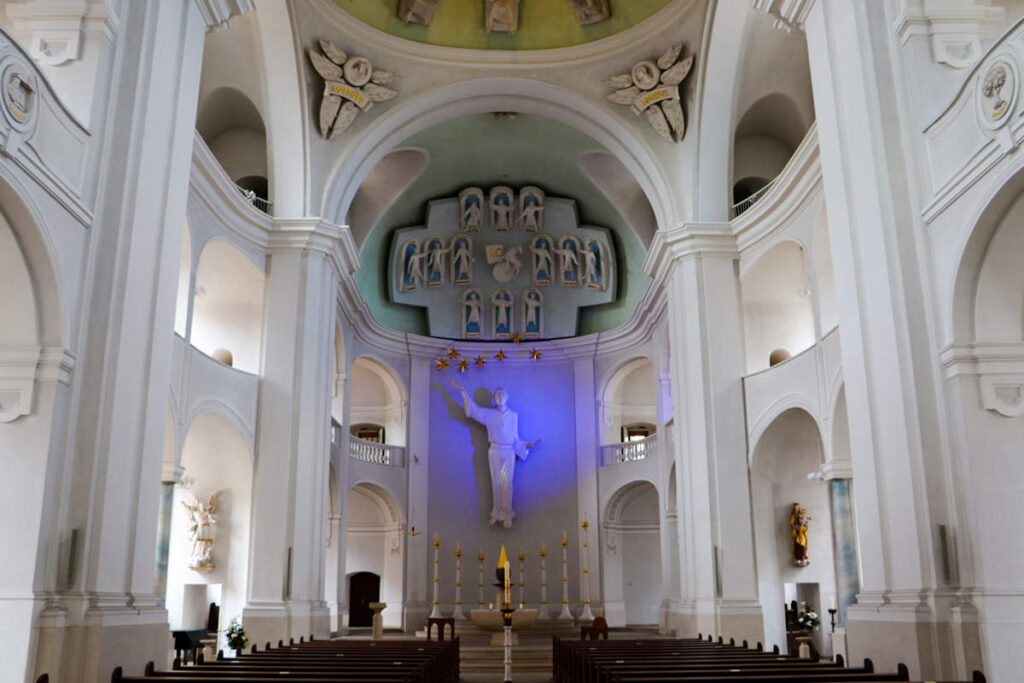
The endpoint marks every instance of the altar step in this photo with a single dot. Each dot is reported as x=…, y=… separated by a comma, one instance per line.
x=526, y=659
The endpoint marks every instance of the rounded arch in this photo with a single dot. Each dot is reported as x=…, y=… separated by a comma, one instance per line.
x=485, y=95
x=619, y=501
x=790, y=402
x=386, y=502
x=378, y=396
x=993, y=210
x=632, y=528
x=777, y=310
x=217, y=464
x=30, y=249
x=629, y=395
x=227, y=309
x=213, y=406
x=374, y=528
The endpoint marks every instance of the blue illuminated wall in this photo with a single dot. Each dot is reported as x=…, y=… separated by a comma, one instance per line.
x=545, y=484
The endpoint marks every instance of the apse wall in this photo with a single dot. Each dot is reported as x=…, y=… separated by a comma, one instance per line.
x=544, y=499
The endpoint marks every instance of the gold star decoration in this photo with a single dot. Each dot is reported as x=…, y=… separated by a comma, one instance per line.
x=442, y=364
x=480, y=361
x=463, y=365
x=534, y=354
x=500, y=356
x=517, y=338
x=453, y=352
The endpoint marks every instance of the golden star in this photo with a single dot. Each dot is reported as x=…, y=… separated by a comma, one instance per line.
x=463, y=365
x=442, y=364
x=499, y=356
x=534, y=354
x=517, y=338
x=480, y=361
x=453, y=352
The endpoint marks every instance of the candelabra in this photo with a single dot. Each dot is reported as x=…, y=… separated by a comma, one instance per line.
x=522, y=586
x=480, y=585
x=543, y=614
x=435, y=613
x=565, y=615
x=506, y=613
x=586, y=615
x=458, y=583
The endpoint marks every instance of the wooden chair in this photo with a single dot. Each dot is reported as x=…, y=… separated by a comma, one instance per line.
x=597, y=629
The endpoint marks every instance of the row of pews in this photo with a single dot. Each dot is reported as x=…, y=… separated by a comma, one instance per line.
x=318, y=661
x=695, y=660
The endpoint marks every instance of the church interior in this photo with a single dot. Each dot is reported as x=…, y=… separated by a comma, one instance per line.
x=684, y=325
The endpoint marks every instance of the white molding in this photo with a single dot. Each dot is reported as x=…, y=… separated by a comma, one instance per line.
x=687, y=241
x=21, y=369
x=954, y=30
x=799, y=183
x=789, y=14
x=999, y=368
x=54, y=28
x=217, y=13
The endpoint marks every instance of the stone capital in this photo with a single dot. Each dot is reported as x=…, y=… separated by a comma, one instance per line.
x=316, y=235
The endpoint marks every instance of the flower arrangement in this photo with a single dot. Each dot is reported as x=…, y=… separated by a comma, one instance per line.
x=237, y=640
x=807, y=619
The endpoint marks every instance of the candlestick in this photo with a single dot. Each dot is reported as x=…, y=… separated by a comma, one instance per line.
x=522, y=585
x=586, y=615
x=435, y=613
x=543, y=614
x=458, y=583
x=480, y=585
x=565, y=615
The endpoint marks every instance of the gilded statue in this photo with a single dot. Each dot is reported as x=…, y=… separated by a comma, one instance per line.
x=798, y=520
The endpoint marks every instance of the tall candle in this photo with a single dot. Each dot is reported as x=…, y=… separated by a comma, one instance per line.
x=832, y=602
x=508, y=586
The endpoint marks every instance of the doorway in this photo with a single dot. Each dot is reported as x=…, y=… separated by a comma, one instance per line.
x=363, y=588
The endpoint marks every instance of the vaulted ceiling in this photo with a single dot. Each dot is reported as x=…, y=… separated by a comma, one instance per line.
x=486, y=150
x=543, y=24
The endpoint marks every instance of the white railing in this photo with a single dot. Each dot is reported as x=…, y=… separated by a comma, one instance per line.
x=254, y=199
x=740, y=207
x=376, y=453
x=631, y=451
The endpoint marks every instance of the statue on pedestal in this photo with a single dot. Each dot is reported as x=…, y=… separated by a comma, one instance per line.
x=505, y=446
x=202, y=532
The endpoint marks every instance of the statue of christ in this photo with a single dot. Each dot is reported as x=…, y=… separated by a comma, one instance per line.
x=505, y=446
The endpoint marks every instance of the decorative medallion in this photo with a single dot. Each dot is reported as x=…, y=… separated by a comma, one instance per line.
x=19, y=91
x=652, y=88
x=351, y=85
x=997, y=92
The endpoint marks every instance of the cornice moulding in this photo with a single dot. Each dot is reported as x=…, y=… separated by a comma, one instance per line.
x=687, y=241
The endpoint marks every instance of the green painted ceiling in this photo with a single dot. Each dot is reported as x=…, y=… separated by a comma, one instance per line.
x=543, y=24
x=484, y=150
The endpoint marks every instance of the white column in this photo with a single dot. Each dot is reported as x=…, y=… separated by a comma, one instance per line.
x=889, y=363
x=587, y=454
x=697, y=264
x=293, y=439
x=109, y=481
x=417, y=578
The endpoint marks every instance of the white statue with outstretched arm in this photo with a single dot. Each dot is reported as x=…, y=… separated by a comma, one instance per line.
x=505, y=446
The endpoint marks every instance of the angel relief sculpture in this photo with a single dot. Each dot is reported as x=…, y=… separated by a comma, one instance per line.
x=652, y=88
x=351, y=85
x=202, y=531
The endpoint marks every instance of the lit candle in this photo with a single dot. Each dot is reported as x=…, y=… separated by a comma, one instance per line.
x=508, y=586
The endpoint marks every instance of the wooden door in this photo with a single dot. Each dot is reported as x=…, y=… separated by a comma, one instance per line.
x=363, y=588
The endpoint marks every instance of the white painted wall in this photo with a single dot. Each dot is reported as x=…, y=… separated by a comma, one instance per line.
x=214, y=458
x=788, y=451
x=228, y=305
x=374, y=544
